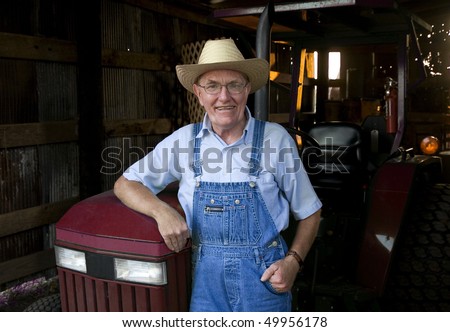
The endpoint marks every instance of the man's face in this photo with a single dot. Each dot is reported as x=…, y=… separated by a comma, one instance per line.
x=225, y=110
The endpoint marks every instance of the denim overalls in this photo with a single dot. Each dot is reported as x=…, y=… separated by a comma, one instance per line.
x=234, y=241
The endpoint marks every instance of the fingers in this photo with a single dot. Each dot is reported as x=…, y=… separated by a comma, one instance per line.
x=277, y=275
x=280, y=289
x=176, y=242
x=173, y=229
x=269, y=272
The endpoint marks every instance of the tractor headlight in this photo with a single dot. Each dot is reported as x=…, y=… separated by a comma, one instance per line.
x=429, y=145
x=142, y=272
x=70, y=259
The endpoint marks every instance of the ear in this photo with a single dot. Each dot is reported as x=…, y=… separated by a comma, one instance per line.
x=248, y=87
x=198, y=93
x=196, y=89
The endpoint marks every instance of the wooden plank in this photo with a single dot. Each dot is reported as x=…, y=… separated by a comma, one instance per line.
x=282, y=78
x=133, y=60
x=164, y=7
x=37, y=48
x=301, y=78
x=23, y=266
x=34, y=217
x=291, y=6
x=24, y=134
x=118, y=128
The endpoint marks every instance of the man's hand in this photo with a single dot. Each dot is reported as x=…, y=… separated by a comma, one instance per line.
x=281, y=274
x=173, y=227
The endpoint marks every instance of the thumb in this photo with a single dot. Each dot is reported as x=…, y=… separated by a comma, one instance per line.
x=269, y=272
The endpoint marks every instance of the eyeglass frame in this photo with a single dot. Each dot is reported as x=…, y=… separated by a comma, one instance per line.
x=223, y=85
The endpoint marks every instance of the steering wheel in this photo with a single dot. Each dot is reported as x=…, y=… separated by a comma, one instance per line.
x=307, y=140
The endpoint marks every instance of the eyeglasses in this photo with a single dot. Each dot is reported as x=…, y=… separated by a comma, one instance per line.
x=233, y=88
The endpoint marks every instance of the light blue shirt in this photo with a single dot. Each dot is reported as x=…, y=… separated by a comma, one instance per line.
x=283, y=182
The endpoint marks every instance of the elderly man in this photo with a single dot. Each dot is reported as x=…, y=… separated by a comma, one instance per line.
x=240, y=179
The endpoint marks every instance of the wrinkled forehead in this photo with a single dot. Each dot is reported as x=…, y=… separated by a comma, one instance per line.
x=222, y=75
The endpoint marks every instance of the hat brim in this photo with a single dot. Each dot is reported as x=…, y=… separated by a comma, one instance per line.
x=256, y=69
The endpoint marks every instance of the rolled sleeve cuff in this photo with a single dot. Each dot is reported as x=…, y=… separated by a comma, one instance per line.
x=306, y=212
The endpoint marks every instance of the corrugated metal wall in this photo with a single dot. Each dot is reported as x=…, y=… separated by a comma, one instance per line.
x=33, y=91
x=37, y=88
x=18, y=96
x=136, y=94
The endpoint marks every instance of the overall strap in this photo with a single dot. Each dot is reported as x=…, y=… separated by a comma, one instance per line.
x=197, y=162
x=255, y=157
x=257, y=145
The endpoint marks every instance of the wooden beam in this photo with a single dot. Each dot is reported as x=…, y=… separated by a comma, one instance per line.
x=284, y=7
x=26, y=265
x=34, y=217
x=301, y=79
x=280, y=78
x=118, y=128
x=18, y=46
x=25, y=134
x=133, y=60
x=166, y=8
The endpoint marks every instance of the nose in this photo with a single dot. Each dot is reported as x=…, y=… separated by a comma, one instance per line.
x=224, y=94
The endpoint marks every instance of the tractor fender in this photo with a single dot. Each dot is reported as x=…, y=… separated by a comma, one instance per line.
x=387, y=205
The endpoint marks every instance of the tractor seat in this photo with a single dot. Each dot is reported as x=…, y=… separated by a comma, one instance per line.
x=340, y=162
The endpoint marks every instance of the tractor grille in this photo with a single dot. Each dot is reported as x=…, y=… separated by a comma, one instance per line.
x=80, y=292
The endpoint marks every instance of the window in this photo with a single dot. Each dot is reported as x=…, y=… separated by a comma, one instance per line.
x=334, y=74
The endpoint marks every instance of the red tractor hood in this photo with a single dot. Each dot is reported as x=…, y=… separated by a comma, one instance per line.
x=104, y=223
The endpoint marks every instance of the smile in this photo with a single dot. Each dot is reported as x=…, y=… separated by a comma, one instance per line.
x=225, y=108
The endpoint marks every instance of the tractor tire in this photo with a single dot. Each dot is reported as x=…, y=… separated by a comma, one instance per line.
x=419, y=279
x=51, y=303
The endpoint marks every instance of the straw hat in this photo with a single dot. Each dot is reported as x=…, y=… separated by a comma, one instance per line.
x=223, y=54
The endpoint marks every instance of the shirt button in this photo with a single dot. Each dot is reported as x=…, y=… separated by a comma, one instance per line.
x=212, y=201
x=252, y=184
x=237, y=201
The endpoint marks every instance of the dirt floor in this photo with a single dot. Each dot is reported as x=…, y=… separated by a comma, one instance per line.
x=19, y=297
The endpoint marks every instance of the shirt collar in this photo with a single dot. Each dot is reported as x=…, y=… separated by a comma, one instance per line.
x=248, y=130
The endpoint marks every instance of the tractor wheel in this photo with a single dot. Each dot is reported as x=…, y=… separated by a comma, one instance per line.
x=419, y=279
x=51, y=303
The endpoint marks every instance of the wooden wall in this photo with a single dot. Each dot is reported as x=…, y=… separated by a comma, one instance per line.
x=86, y=87
x=39, y=177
